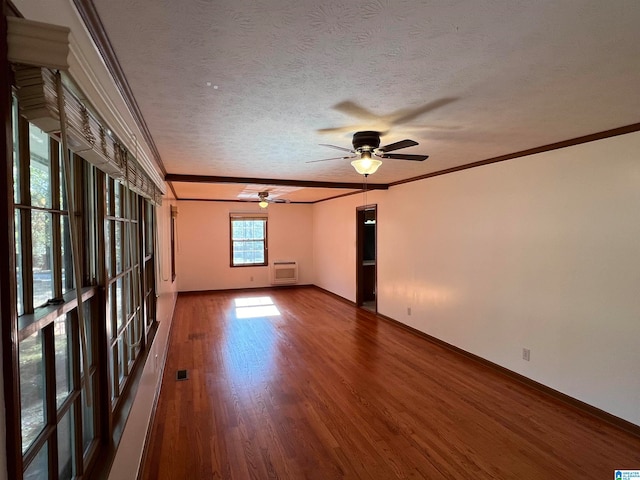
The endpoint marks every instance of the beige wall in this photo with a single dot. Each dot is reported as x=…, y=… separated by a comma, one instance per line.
x=541, y=252
x=203, y=255
x=334, y=255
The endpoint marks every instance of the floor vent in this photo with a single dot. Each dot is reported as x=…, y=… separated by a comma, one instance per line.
x=181, y=375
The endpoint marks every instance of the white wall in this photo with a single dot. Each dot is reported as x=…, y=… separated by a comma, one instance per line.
x=130, y=450
x=540, y=252
x=203, y=256
x=334, y=254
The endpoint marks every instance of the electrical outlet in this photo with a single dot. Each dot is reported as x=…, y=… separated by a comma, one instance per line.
x=409, y=311
x=526, y=354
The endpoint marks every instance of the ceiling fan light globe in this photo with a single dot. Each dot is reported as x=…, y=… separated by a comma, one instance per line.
x=263, y=204
x=366, y=166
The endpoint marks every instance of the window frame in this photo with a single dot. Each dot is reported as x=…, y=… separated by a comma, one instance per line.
x=74, y=435
x=265, y=239
x=64, y=412
x=127, y=327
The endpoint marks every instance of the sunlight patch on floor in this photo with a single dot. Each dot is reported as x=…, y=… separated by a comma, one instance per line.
x=255, y=307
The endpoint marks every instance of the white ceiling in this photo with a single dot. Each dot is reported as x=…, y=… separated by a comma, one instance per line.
x=245, y=88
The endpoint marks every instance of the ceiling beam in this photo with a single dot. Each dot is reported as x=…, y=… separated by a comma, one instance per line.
x=175, y=177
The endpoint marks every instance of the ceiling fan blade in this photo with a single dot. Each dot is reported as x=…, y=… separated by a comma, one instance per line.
x=409, y=115
x=334, y=158
x=398, y=145
x=346, y=129
x=337, y=148
x=354, y=110
x=400, y=156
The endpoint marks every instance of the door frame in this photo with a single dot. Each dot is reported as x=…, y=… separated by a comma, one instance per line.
x=360, y=234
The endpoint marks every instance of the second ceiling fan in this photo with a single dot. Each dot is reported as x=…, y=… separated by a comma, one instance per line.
x=366, y=146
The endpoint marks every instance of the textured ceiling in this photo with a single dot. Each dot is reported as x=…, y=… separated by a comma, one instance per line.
x=250, y=88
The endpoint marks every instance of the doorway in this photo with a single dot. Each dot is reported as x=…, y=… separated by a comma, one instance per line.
x=366, y=256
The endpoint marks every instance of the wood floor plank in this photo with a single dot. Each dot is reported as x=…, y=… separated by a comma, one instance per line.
x=323, y=390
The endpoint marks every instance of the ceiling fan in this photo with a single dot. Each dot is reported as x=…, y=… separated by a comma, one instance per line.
x=366, y=146
x=265, y=200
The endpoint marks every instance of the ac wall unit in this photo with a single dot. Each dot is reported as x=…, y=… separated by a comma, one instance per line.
x=284, y=273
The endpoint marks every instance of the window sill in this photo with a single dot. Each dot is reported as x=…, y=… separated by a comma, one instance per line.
x=31, y=323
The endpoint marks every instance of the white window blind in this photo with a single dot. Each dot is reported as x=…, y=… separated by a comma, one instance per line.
x=87, y=136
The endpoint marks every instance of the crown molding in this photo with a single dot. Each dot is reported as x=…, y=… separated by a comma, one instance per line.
x=88, y=76
x=635, y=127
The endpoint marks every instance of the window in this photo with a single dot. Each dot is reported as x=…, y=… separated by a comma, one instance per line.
x=58, y=428
x=248, y=241
x=149, y=281
x=124, y=314
x=63, y=415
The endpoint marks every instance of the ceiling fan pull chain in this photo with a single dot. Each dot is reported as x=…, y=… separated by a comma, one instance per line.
x=365, y=188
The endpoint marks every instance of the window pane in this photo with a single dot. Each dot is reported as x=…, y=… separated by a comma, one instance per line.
x=117, y=203
x=119, y=304
x=39, y=467
x=87, y=421
x=118, y=247
x=32, y=388
x=121, y=359
x=63, y=183
x=135, y=244
x=238, y=252
x=91, y=223
x=248, y=252
x=148, y=228
x=148, y=294
x=108, y=225
x=65, y=446
x=113, y=365
x=136, y=279
x=42, y=257
x=16, y=152
x=19, y=277
x=126, y=296
x=126, y=260
x=108, y=182
x=256, y=252
x=87, y=307
x=40, y=168
x=258, y=231
x=63, y=359
x=112, y=309
x=67, y=260
x=134, y=335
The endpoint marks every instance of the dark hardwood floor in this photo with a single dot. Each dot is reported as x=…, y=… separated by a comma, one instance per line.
x=324, y=390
